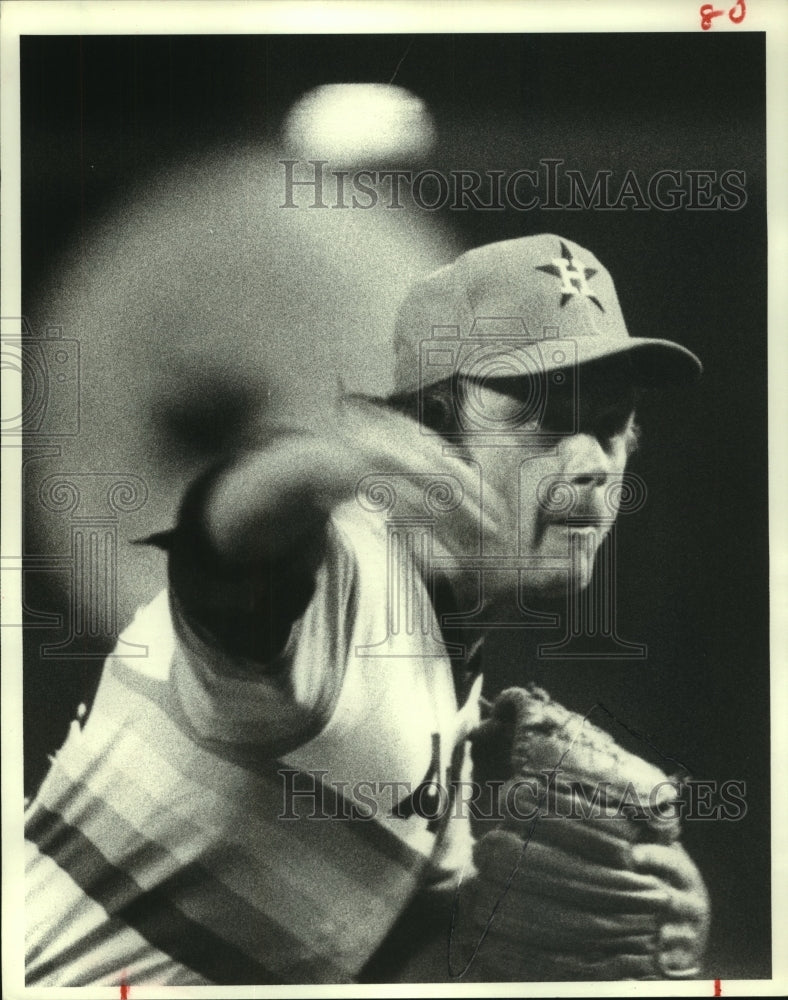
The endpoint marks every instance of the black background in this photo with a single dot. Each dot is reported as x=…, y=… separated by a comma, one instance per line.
x=694, y=562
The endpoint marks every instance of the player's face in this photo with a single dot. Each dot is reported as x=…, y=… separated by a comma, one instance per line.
x=559, y=481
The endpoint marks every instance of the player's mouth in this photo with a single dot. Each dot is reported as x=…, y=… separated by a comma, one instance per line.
x=584, y=539
x=585, y=533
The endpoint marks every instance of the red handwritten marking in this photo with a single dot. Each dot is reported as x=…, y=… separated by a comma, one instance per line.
x=124, y=991
x=717, y=988
x=708, y=13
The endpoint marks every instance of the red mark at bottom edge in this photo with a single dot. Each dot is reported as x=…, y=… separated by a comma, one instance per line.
x=717, y=988
x=124, y=991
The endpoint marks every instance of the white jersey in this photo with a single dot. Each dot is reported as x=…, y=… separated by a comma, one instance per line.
x=217, y=823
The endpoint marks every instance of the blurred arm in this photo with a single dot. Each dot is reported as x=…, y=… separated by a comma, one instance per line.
x=250, y=538
x=267, y=502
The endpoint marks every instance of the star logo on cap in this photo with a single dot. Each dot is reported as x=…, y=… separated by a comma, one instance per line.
x=574, y=276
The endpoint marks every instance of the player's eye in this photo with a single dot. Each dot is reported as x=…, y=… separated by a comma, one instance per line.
x=559, y=410
x=559, y=415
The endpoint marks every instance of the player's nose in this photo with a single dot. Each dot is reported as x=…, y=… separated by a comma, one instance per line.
x=590, y=470
x=586, y=462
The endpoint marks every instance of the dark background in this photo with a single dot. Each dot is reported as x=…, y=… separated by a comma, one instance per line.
x=101, y=113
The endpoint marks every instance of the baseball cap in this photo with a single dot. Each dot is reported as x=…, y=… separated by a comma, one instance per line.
x=524, y=306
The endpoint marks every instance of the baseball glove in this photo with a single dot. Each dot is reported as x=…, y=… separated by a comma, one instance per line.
x=579, y=871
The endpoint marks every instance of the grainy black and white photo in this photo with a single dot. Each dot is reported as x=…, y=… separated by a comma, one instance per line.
x=394, y=486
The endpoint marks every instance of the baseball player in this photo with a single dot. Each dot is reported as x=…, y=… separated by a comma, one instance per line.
x=278, y=793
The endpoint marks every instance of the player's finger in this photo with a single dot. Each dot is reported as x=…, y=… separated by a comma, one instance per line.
x=585, y=839
x=670, y=862
x=504, y=860
x=554, y=922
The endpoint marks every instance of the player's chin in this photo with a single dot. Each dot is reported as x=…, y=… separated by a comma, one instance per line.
x=573, y=578
x=569, y=582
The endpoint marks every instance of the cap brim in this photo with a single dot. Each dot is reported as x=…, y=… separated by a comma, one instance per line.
x=653, y=361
